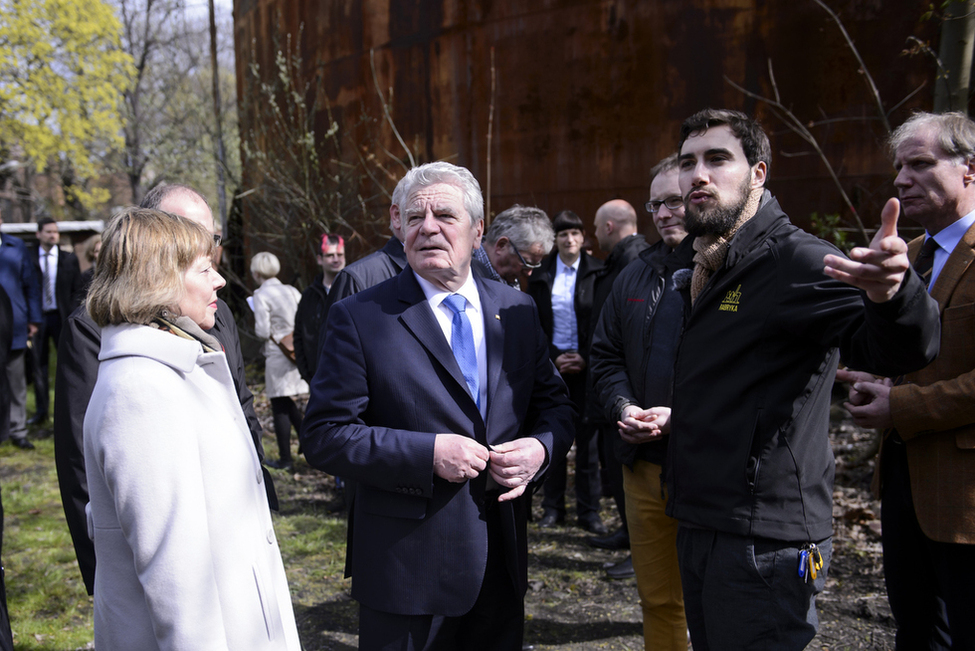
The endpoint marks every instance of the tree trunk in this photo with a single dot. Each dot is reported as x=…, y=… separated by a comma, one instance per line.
x=218, y=117
x=955, y=52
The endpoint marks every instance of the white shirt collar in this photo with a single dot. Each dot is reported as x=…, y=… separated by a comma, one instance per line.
x=435, y=295
x=948, y=238
x=561, y=267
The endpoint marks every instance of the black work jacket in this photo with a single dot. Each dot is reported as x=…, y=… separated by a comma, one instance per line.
x=749, y=452
x=623, y=340
x=308, y=323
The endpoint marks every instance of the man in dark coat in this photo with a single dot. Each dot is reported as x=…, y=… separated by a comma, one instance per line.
x=435, y=392
x=616, y=232
x=62, y=290
x=771, y=310
x=18, y=279
x=311, y=308
x=6, y=338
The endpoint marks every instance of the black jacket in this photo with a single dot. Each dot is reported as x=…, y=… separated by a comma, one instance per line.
x=308, y=323
x=363, y=274
x=540, y=289
x=69, y=286
x=620, y=353
x=749, y=452
x=6, y=339
x=76, y=373
x=626, y=251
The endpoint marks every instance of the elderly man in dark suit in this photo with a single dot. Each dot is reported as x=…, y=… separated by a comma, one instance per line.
x=435, y=392
x=926, y=468
x=62, y=290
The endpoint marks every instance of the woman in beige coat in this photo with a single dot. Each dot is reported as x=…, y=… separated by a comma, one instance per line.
x=275, y=305
x=187, y=556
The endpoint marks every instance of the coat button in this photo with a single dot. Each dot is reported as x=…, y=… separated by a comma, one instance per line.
x=260, y=477
x=270, y=536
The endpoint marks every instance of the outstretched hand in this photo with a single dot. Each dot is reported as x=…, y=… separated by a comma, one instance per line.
x=879, y=269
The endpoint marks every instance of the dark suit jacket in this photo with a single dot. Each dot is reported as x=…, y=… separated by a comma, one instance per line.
x=934, y=409
x=6, y=340
x=540, y=288
x=308, y=326
x=69, y=286
x=362, y=274
x=77, y=370
x=387, y=384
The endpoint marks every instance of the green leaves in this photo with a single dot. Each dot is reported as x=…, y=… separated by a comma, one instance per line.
x=62, y=74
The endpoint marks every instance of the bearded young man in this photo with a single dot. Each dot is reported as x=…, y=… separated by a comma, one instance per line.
x=771, y=310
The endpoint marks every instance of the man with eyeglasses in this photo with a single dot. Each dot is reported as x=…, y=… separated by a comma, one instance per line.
x=515, y=245
x=616, y=231
x=632, y=362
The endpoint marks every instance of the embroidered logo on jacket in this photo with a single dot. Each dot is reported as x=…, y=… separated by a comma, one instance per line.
x=731, y=300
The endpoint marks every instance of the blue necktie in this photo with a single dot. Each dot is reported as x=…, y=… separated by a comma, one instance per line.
x=462, y=343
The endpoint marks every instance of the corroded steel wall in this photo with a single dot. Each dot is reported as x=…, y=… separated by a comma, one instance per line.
x=590, y=93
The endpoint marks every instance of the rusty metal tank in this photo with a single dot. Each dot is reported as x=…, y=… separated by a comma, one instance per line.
x=589, y=94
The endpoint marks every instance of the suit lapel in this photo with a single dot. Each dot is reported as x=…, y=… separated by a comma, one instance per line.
x=956, y=265
x=493, y=337
x=419, y=319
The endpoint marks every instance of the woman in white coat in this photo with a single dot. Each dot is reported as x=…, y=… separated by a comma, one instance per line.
x=187, y=556
x=275, y=305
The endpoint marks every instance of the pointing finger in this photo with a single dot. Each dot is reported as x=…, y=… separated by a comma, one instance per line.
x=888, y=218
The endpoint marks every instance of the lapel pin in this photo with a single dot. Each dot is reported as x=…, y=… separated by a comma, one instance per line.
x=497, y=316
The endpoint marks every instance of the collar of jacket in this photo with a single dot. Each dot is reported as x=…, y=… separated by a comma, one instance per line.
x=396, y=252
x=620, y=248
x=756, y=229
x=134, y=340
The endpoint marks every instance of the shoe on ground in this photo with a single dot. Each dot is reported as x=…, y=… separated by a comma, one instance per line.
x=23, y=444
x=619, y=539
x=593, y=524
x=621, y=570
x=37, y=419
x=278, y=464
x=551, y=519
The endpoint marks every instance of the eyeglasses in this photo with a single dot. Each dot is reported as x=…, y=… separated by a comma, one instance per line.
x=672, y=203
x=524, y=263
x=217, y=239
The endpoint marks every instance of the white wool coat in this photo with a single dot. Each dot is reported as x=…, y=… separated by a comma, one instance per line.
x=275, y=305
x=187, y=556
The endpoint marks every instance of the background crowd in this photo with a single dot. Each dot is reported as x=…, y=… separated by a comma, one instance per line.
x=693, y=376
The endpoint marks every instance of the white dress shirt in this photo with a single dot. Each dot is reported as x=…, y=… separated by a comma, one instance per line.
x=445, y=316
x=565, y=329
x=947, y=239
x=49, y=271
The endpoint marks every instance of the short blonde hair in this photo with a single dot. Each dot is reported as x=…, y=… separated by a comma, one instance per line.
x=266, y=265
x=145, y=254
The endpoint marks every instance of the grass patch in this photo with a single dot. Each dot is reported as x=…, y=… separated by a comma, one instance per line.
x=49, y=609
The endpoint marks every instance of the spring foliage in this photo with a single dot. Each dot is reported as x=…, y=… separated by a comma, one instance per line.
x=62, y=74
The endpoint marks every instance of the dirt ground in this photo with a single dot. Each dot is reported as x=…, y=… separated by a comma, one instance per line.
x=571, y=605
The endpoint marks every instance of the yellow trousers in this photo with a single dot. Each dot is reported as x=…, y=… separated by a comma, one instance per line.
x=653, y=543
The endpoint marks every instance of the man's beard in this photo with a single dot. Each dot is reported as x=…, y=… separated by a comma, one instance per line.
x=719, y=219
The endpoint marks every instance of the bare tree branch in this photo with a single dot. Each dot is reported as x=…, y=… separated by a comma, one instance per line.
x=863, y=66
